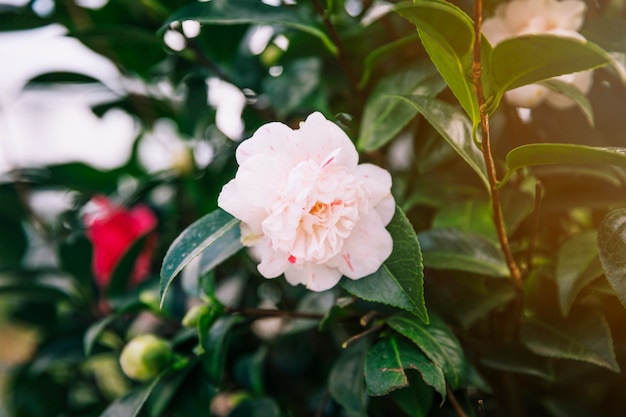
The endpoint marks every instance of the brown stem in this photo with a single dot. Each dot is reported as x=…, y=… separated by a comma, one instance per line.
x=341, y=51
x=455, y=403
x=535, y=226
x=486, y=149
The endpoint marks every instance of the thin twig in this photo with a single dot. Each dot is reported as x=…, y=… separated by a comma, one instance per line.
x=535, y=226
x=341, y=51
x=486, y=149
x=258, y=312
x=455, y=403
x=361, y=335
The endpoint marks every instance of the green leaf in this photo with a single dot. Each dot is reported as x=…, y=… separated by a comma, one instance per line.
x=400, y=280
x=345, y=382
x=612, y=250
x=38, y=285
x=131, y=404
x=384, y=116
x=577, y=265
x=561, y=154
x=437, y=342
x=454, y=127
x=236, y=12
x=379, y=54
x=95, y=330
x=450, y=49
x=416, y=400
x=215, y=231
x=471, y=215
x=527, y=59
x=463, y=251
x=256, y=407
x=574, y=93
x=387, y=360
x=583, y=335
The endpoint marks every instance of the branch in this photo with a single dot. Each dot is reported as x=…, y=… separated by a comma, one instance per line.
x=258, y=312
x=454, y=401
x=498, y=218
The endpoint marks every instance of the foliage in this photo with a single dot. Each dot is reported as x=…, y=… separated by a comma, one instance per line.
x=445, y=327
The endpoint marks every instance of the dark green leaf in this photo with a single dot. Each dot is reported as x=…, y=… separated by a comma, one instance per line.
x=131, y=404
x=416, y=400
x=216, y=346
x=463, y=251
x=561, y=154
x=577, y=265
x=217, y=227
x=95, y=330
x=454, y=127
x=379, y=54
x=530, y=58
x=387, y=360
x=384, y=116
x=584, y=335
x=469, y=215
x=612, y=250
x=400, y=280
x=519, y=360
x=436, y=341
x=450, y=49
x=346, y=382
x=38, y=285
x=234, y=12
x=257, y=407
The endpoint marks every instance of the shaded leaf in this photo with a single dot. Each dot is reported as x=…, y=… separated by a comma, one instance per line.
x=584, y=335
x=517, y=359
x=454, y=127
x=216, y=346
x=574, y=93
x=416, y=400
x=217, y=230
x=131, y=404
x=400, y=280
x=256, y=407
x=612, y=250
x=463, y=251
x=437, y=342
x=346, y=382
x=234, y=12
x=386, y=363
x=384, y=116
x=577, y=265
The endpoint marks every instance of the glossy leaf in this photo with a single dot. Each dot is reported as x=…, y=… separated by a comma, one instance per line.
x=584, y=335
x=561, y=154
x=386, y=363
x=577, y=265
x=384, y=116
x=131, y=404
x=233, y=12
x=437, y=342
x=216, y=231
x=530, y=58
x=463, y=251
x=345, y=381
x=612, y=250
x=574, y=93
x=400, y=280
x=449, y=49
x=454, y=127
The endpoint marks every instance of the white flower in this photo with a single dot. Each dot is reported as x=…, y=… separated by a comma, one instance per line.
x=525, y=17
x=307, y=206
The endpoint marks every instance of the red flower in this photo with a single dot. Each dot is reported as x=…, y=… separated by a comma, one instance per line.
x=112, y=230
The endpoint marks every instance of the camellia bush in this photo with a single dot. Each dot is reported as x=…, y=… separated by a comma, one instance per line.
x=424, y=214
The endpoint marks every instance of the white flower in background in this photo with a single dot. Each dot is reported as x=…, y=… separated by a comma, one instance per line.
x=163, y=149
x=307, y=207
x=552, y=17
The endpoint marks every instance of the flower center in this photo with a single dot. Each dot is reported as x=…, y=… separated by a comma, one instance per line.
x=318, y=207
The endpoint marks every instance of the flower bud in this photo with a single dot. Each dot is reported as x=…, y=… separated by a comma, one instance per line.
x=205, y=313
x=144, y=357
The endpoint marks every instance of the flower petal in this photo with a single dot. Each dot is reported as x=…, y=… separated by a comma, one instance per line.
x=261, y=178
x=376, y=180
x=368, y=246
x=316, y=277
x=238, y=205
x=270, y=139
x=317, y=138
x=273, y=263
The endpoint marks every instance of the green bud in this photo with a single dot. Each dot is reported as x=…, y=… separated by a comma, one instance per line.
x=145, y=356
x=203, y=313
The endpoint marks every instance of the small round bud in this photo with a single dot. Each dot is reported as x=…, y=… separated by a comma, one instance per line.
x=144, y=357
x=194, y=314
